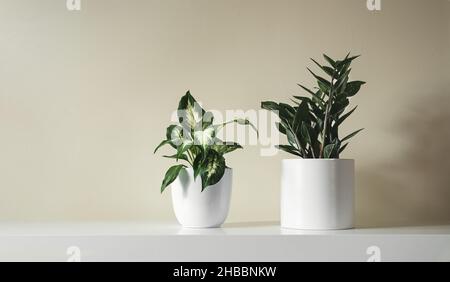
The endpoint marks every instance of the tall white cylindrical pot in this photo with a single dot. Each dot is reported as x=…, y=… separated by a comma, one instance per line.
x=196, y=209
x=317, y=194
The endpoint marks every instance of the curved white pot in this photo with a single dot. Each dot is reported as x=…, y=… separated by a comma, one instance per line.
x=317, y=194
x=196, y=209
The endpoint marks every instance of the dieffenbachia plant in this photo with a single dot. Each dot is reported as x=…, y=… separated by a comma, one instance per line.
x=312, y=123
x=195, y=140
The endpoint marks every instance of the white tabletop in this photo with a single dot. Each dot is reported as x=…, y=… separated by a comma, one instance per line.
x=258, y=241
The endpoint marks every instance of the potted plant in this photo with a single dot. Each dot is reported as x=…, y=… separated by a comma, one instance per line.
x=317, y=188
x=201, y=185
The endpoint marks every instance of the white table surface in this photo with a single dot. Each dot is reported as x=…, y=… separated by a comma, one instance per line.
x=258, y=241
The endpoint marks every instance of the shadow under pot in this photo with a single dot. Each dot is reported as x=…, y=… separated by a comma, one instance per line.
x=317, y=194
x=196, y=209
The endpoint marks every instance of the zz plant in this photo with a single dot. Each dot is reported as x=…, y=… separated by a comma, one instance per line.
x=195, y=141
x=312, y=123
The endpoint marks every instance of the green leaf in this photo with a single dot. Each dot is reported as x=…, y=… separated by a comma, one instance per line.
x=325, y=88
x=197, y=164
x=270, y=106
x=321, y=81
x=343, y=148
x=316, y=111
x=339, y=107
x=169, y=130
x=305, y=134
x=226, y=148
x=353, y=87
x=316, y=97
x=351, y=135
x=342, y=118
x=306, y=89
x=347, y=60
x=190, y=113
x=210, y=167
x=327, y=151
x=280, y=128
x=341, y=85
x=289, y=149
x=286, y=111
x=302, y=99
x=183, y=149
x=174, y=133
x=330, y=61
x=344, y=70
x=177, y=157
x=195, y=150
x=292, y=138
x=171, y=175
x=327, y=70
x=165, y=142
x=175, y=136
x=315, y=134
x=301, y=116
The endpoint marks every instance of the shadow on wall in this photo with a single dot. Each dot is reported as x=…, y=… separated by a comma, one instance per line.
x=414, y=189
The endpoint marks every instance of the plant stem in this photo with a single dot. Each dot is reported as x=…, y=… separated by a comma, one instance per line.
x=312, y=150
x=325, y=121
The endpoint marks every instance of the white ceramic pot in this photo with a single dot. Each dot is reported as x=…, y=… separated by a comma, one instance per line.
x=317, y=194
x=196, y=209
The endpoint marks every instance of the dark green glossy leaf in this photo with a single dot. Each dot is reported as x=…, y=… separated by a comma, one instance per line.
x=305, y=133
x=165, y=142
x=330, y=61
x=353, y=87
x=347, y=60
x=183, y=149
x=326, y=69
x=286, y=111
x=345, y=116
x=169, y=130
x=280, y=128
x=301, y=98
x=315, y=99
x=306, y=89
x=210, y=168
x=328, y=150
x=171, y=175
x=289, y=149
x=313, y=121
x=351, y=135
x=321, y=81
x=291, y=136
x=324, y=87
x=301, y=116
x=177, y=157
x=339, y=107
x=270, y=106
x=342, y=84
x=197, y=164
x=175, y=134
x=226, y=148
x=343, y=148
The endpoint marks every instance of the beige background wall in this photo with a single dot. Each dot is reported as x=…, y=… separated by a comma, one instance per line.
x=85, y=97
